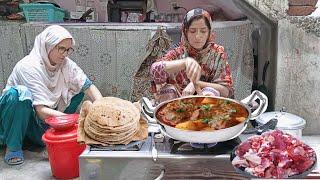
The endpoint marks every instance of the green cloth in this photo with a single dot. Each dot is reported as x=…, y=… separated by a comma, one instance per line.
x=18, y=120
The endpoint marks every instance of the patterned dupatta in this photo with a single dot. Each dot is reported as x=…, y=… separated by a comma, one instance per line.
x=206, y=57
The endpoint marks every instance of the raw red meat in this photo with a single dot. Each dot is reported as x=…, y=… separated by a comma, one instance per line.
x=274, y=154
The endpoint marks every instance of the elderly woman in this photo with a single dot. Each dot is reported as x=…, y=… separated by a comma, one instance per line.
x=44, y=83
x=198, y=65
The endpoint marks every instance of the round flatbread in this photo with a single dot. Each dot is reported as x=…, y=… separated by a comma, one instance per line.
x=113, y=112
x=112, y=120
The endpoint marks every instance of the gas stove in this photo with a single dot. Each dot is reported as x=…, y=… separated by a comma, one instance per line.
x=159, y=157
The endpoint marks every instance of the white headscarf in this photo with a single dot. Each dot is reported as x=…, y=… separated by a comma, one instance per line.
x=52, y=86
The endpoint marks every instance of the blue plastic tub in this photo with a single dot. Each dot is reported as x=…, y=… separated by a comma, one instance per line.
x=35, y=12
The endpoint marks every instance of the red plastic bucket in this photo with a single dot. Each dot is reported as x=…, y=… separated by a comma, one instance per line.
x=63, y=151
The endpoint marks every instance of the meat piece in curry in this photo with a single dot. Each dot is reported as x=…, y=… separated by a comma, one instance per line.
x=202, y=113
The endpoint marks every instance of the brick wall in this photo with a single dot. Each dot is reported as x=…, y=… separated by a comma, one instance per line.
x=301, y=7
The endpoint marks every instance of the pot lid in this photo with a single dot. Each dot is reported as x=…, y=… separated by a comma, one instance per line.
x=285, y=120
x=55, y=135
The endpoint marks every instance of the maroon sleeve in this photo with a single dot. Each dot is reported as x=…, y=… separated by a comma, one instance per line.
x=157, y=70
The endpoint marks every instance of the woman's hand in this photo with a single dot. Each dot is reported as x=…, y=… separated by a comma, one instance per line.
x=223, y=91
x=44, y=112
x=193, y=69
x=189, y=90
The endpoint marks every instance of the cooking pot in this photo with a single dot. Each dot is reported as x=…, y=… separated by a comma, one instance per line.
x=287, y=122
x=207, y=136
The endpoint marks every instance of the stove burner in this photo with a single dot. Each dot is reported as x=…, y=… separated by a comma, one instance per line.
x=202, y=145
x=132, y=146
x=178, y=147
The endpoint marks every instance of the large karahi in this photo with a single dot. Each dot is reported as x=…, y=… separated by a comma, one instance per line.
x=110, y=121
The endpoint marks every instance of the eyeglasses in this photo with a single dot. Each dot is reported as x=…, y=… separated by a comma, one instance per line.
x=63, y=50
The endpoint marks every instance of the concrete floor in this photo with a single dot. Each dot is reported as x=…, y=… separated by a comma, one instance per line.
x=36, y=166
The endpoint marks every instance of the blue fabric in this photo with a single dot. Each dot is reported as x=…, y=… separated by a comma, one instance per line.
x=24, y=93
x=75, y=101
x=86, y=85
x=14, y=154
x=14, y=119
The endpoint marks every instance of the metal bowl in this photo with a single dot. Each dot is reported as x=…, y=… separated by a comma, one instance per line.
x=207, y=136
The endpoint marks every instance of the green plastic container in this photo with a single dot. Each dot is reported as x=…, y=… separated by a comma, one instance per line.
x=35, y=12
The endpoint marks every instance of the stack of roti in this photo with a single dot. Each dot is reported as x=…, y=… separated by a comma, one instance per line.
x=110, y=120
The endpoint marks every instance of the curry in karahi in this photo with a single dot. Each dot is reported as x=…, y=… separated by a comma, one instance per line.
x=202, y=113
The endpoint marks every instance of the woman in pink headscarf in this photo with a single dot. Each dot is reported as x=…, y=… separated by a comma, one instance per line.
x=197, y=66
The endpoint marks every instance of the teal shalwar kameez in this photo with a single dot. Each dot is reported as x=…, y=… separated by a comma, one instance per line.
x=18, y=119
x=45, y=77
